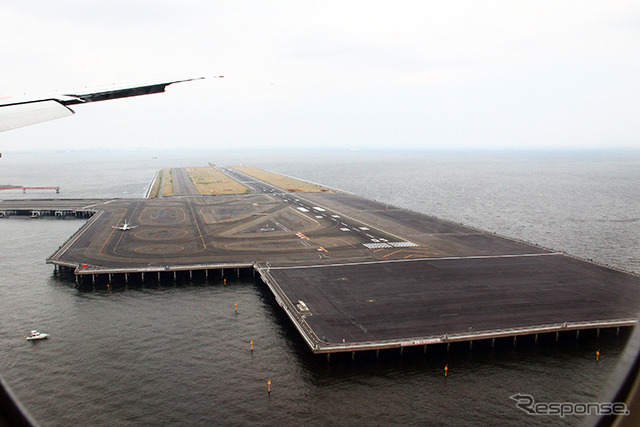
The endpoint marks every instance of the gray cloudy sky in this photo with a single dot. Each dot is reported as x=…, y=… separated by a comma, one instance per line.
x=459, y=74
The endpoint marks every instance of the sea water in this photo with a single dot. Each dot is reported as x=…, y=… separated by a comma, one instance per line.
x=179, y=354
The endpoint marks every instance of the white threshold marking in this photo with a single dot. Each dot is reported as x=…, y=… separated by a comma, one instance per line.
x=387, y=244
x=376, y=245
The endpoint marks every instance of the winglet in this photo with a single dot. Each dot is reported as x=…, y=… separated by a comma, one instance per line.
x=72, y=99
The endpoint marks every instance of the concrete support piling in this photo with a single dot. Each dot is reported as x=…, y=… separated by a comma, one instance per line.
x=180, y=255
x=90, y=277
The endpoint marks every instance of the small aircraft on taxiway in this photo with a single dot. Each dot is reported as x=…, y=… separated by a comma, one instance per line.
x=125, y=226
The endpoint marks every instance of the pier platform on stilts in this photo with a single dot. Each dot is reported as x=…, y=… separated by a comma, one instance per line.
x=352, y=274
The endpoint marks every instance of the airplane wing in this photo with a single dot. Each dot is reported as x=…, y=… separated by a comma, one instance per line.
x=14, y=116
x=19, y=113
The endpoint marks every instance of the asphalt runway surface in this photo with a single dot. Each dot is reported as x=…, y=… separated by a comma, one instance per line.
x=351, y=273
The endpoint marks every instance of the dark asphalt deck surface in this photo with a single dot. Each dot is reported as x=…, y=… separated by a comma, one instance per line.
x=409, y=300
x=368, y=272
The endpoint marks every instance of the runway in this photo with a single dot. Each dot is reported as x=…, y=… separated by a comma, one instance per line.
x=353, y=274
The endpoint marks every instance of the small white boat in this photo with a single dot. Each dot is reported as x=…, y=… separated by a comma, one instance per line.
x=35, y=335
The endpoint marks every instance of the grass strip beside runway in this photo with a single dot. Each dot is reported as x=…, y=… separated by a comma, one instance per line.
x=286, y=183
x=209, y=181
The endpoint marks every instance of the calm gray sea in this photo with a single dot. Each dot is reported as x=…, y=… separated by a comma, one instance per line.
x=179, y=355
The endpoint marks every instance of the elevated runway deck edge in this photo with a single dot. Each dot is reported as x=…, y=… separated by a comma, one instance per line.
x=444, y=275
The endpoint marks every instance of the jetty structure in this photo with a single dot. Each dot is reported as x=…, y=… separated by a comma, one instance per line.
x=352, y=274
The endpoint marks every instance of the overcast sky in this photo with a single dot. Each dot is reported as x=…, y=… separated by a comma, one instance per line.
x=331, y=74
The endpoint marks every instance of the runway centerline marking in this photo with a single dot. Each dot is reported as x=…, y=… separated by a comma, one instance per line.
x=451, y=258
x=340, y=214
x=305, y=216
x=195, y=220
